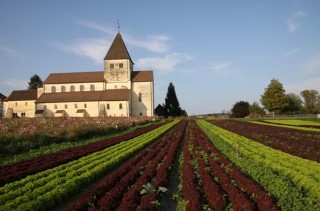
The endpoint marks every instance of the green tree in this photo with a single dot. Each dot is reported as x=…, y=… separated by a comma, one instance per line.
x=172, y=106
x=294, y=104
x=240, y=109
x=256, y=110
x=310, y=100
x=35, y=82
x=274, y=97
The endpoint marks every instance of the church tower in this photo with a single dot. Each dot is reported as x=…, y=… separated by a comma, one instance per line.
x=118, y=65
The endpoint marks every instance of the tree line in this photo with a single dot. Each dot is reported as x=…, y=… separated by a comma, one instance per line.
x=275, y=100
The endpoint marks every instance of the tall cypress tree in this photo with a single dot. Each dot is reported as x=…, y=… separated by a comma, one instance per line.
x=172, y=106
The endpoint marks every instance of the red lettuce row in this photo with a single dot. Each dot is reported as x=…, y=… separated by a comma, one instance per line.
x=22, y=169
x=112, y=192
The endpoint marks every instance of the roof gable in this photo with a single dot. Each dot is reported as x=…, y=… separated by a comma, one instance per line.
x=142, y=76
x=22, y=95
x=75, y=77
x=117, y=50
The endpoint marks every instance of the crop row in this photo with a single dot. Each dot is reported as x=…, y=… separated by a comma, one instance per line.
x=24, y=168
x=149, y=168
x=209, y=179
x=304, y=144
x=51, y=187
x=292, y=181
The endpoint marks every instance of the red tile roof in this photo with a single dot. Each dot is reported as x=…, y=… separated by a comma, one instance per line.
x=75, y=77
x=117, y=50
x=142, y=76
x=107, y=95
x=22, y=95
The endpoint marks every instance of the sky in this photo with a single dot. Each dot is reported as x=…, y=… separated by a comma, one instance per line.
x=215, y=52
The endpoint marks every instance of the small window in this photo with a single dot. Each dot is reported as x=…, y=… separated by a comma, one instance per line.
x=140, y=114
x=85, y=105
x=23, y=114
x=108, y=106
x=120, y=106
x=75, y=106
x=63, y=89
x=81, y=88
x=115, y=86
x=121, y=65
x=111, y=65
x=26, y=103
x=65, y=106
x=55, y=107
x=16, y=104
x=53, y=89
x=72, y=88
x=91, y=87
x=140, y=97
x=44, y=106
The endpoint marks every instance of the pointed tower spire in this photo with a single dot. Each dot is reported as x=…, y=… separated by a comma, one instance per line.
x=118, y=49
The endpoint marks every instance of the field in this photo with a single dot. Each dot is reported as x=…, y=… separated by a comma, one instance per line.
x=175, y=165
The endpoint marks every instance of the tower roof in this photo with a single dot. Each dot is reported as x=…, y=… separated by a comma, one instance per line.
x=118, y=49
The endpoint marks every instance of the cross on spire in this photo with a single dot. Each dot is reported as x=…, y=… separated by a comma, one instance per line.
x=118, y=26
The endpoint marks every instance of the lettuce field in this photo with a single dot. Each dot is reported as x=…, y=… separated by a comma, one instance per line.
x=184, y=164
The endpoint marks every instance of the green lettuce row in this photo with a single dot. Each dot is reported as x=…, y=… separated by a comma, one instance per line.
x=49, y=188
x=292, y=189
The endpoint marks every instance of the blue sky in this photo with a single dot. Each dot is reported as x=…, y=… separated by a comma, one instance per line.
x=215, y=52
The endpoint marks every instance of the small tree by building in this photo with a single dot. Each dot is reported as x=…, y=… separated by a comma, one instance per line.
x=35, y=82
x=240, y=109
x=274, y=97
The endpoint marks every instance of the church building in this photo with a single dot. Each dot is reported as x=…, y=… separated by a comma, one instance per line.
x=114, y=92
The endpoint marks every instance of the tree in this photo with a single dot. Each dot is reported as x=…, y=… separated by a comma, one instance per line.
x=274, y=97
x=240, y=109
x=172, y=106
x=310, y=100
x=35, y=82
x=294, y=104
x=256, y=110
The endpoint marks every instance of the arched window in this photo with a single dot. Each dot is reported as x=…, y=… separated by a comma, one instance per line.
x=85, y=105
x=81, y=88
x=140, y=97
x=91, y=87
x=120, y=106
x=55, y=107
x=108, y=106
x=63, y=89
x=72, y=88
x=53, y=89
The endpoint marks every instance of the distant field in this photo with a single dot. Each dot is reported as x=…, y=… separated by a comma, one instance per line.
x=295, y=122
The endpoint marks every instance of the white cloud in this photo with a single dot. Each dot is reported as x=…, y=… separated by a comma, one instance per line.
x=167, y=63
x=103, y=28
x=156, y=43
x=292, y=52
x=95, y=49
x=291, y=26
x=299, y=14
x=311, y=83
x=221, y=68
x=312, y=66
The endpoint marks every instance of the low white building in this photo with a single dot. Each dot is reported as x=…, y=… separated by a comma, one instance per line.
x=115, y=91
